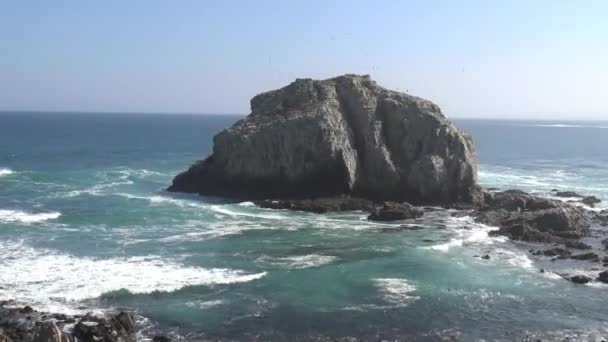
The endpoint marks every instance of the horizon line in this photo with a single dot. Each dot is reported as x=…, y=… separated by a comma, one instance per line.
x=33, y=111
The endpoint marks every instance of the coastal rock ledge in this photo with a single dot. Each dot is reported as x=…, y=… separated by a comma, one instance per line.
x=341, y=136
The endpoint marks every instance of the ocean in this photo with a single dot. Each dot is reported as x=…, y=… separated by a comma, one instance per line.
x=85, y=225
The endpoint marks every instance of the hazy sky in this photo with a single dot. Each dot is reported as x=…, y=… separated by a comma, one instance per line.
x=518, y=59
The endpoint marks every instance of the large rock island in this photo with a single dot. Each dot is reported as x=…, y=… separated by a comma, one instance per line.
x=341, y=136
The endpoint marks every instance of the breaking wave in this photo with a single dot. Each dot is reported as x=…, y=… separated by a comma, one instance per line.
x=24, y=217
x=58, y=281
x=6, y=172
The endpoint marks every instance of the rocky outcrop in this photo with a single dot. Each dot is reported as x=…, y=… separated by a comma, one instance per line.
x=395, y=212
x=521, y=216
x=341, y=136
x=28, y=325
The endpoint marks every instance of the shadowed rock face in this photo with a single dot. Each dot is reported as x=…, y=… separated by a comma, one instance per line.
x=340, y=136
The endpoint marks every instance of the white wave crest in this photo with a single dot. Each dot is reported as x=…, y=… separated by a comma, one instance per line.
x=562, y=126
x=6, y=172
x=299, y=261
x=158, y=199
x=24, y=217
x=396, y=290
x=223, y=210
x=568, y=126
x=467, y=232
x=48, y=279
x=204, y=304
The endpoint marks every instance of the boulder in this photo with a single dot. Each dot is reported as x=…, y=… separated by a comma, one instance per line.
x=395, y=211
x=341, y=136
x=591, y=200
x=591, y=256
x=603, y=277
x=580, y=279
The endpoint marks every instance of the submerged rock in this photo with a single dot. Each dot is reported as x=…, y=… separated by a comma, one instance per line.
x=391, y=211
x=341, y=136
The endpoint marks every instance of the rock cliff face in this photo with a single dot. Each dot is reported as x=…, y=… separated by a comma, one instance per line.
x=341, y=136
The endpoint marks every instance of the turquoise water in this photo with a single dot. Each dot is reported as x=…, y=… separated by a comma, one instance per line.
x=85, y=225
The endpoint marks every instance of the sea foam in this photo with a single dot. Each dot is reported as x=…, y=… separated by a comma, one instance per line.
x=299, y=261
x=24, y=217
x=6, y=172
x=59, y=281
x=396, y=290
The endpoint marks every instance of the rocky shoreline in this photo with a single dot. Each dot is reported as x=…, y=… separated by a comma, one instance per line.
x=24, y=324
x=560, y=225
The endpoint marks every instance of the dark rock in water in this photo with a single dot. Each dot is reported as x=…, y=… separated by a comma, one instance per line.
x=160, y=338
x=603, y=277
x=591, y=256
x=320, y=205
x=591, y=200
x=26, y=310
x=486, y=257
x=521, y=216
x=345, y=135
x=395, y=211
x=577, y=244
x=567, y=194
x=553, y=252
x=580, y=279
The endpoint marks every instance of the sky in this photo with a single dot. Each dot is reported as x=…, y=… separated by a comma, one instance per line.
x=541, y=59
